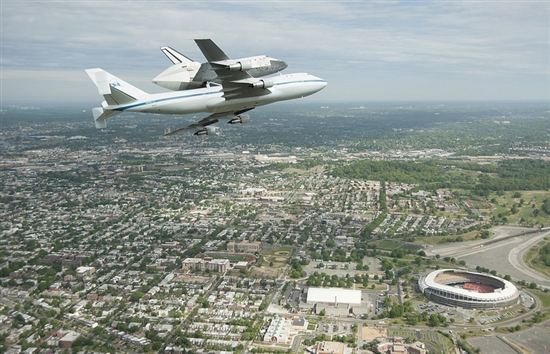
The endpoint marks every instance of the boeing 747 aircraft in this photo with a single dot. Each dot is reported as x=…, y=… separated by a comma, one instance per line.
x=238, y=93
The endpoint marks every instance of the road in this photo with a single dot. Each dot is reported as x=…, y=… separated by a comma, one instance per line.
x=505, y=257
x=515, y=257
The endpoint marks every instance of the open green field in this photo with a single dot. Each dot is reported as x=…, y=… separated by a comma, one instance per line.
x=278, y=251
x=298, y=170
x=411, y=246
x=532, y=200
x=377, y=286
x=436, y=342
x=391, y=245
x=533, y=260
x=542, y=296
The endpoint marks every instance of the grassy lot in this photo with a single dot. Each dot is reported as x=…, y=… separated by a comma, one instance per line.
x=532, y=258
x=292, y=170
x=278, y=251
x=300, y=171
x=410, y=246
x=441, y=344
x=435, y=240
x=389, y=245
x=542, y=296
x=525, y=211
x=377, y=286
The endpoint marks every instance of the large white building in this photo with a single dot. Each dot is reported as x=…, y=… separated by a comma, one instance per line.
x=333, y=296
x=84, y=271
x=215, y=265
x=335, y=301
x=278, y=330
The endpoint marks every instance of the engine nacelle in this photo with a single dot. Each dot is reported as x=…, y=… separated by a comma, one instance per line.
x=240, y=119
x=263, y=84
x=207, y=131
x=241, y=66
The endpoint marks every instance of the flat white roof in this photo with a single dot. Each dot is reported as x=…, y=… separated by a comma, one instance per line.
x=334, y=295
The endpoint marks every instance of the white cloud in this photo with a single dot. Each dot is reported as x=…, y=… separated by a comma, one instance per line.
x=486, y=44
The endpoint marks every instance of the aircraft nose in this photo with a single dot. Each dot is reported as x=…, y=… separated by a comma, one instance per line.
x=320, y=82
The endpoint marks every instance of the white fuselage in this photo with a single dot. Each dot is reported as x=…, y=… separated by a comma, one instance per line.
x=211, y=100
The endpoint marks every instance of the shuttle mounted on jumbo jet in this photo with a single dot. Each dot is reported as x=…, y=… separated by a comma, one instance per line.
x=238, y=93
x=187, y=74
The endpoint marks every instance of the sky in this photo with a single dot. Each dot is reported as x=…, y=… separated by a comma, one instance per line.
x=366, y=50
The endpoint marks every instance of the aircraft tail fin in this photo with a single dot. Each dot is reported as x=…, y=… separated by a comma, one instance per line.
x=210, y=50
x=114, y=90
x=175, y=56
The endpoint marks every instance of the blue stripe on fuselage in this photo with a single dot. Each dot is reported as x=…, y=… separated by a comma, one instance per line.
x=164, y=99
x=201, y=94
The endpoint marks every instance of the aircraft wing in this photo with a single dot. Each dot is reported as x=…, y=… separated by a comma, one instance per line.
x=235, y=80
x=211, y=119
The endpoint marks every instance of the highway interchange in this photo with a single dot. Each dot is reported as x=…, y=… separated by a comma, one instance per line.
x=506, y=256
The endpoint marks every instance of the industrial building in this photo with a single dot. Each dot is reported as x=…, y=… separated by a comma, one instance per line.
x=335, y=301
x=278, y=330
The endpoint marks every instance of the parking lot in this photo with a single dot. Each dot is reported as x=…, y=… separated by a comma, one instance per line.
x=491, y=345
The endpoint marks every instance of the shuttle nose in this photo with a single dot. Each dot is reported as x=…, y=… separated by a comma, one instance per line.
x=278, y=64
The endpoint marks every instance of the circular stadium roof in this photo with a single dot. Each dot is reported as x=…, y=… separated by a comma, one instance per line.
x=439, y=280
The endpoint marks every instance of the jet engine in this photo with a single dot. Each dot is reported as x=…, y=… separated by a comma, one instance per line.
x=246, y=64
x=207, y=131
x=240, y=66
x=263, y=84
x=240, y=119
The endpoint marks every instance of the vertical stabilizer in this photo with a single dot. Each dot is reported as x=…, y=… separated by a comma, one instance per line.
x=115, y=91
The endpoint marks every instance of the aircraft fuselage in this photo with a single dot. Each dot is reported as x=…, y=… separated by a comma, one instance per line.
x=210, y=99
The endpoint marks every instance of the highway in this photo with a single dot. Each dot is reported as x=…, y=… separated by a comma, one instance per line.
x=505, y=256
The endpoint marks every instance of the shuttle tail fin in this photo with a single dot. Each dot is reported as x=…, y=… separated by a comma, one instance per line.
x=179, y=76
x=175, y=56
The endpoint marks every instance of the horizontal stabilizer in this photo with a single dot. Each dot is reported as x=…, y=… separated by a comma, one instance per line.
x=100, y=115
x=101, y=124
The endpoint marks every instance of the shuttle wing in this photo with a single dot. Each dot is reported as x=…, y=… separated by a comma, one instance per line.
x=233, y=74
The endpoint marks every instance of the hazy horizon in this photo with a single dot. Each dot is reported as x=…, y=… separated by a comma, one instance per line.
x=367, y=51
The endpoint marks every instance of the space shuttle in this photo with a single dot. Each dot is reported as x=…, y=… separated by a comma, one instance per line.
x=186, y=74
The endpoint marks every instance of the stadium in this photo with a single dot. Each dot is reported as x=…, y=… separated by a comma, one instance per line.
x=468, y=289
